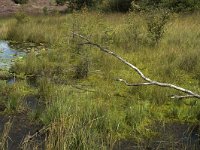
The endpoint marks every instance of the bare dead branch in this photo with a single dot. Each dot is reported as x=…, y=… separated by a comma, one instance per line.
x=134, y=84
x=189, y=93
x=83, y=89
x=181, y=97
x=28, y=138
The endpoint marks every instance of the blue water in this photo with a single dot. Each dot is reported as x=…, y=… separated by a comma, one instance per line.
x=8, y=55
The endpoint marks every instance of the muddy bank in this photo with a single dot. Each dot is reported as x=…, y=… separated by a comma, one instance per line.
x=24, y=130
x=21, y=128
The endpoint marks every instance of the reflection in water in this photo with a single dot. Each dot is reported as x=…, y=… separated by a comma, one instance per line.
x=11, y=80
x=7, y=55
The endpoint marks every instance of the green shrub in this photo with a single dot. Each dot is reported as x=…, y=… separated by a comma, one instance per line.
x=81, y=70
x=21, y=17
x=20, y=1
x=45, y=10
x=156, y=22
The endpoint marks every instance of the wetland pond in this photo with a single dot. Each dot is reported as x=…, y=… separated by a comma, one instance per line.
x=185, y=135
x=8, y=55
x=10, y=52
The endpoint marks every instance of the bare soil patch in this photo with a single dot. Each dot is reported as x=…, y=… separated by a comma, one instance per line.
x=8, y=7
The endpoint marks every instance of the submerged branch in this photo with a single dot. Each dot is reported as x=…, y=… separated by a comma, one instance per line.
x=147, y=80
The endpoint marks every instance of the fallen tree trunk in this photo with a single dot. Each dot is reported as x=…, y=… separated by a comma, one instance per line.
x=148, y=81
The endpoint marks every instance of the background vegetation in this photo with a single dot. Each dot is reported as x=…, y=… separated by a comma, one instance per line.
x=175, y=5
x=126, y=5
x=20, y=1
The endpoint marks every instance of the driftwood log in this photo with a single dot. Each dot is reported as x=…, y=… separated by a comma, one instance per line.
x=148, y=81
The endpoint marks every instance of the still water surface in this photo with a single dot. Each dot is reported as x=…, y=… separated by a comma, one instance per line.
x=8, y=55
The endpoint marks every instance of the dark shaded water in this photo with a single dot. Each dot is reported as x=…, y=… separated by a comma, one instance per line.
x=170, y=136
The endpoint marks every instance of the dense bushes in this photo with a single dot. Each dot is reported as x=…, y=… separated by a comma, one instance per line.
x=78, y=4
x=119, y=5
x=183, y=5
x=20, y=1
x=175, y=5
x=126, y=5
x=113, y=5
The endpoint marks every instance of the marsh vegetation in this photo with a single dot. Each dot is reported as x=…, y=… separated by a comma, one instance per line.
x=67, y=94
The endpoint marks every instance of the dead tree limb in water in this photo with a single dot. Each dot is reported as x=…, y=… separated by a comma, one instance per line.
x=148, y=81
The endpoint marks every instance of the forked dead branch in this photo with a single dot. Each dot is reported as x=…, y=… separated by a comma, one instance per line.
x=148, y=81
